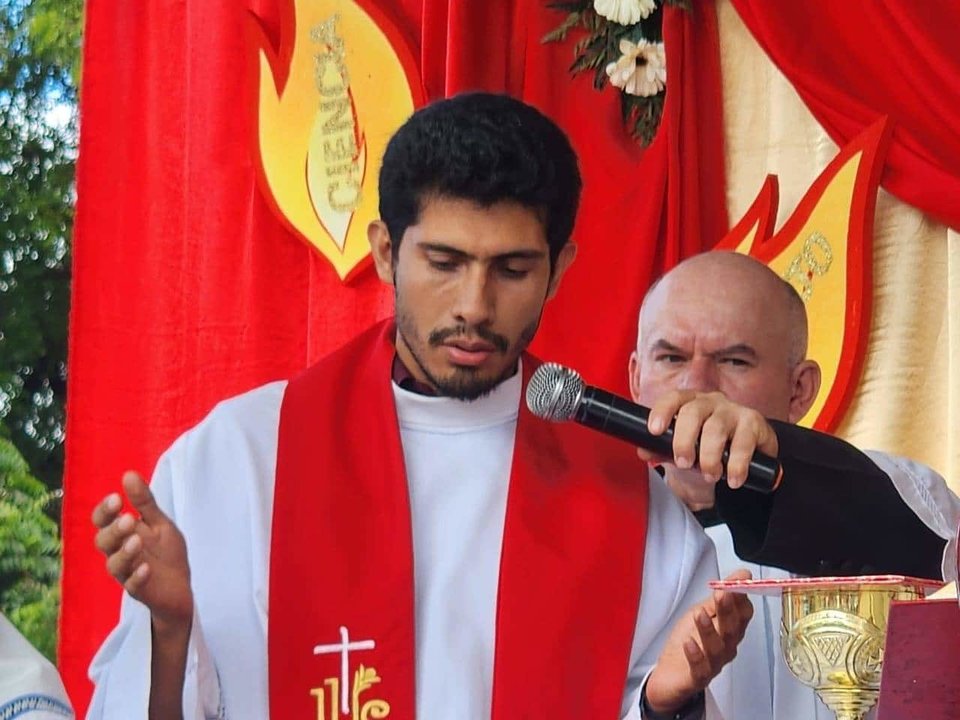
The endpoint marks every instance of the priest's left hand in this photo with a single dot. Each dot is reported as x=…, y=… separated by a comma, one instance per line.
x=700, y=644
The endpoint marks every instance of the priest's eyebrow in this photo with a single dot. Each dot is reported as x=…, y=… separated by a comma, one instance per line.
x=735, y=349
x=461, y=255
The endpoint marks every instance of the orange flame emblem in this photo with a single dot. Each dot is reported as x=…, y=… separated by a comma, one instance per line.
x=823, y=250
x=340, y=83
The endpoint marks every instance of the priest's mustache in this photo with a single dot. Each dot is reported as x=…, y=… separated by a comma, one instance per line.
x=439, y=337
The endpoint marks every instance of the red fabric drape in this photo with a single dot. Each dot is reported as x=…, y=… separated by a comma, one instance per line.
x=187, y=288
x=852, y=62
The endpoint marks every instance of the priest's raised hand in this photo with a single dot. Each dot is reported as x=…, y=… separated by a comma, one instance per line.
x=700, y=644
x=148, y=556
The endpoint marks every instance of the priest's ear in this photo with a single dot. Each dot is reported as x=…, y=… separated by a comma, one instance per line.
x=804, y=384
x=563, y=261
x=382, y=250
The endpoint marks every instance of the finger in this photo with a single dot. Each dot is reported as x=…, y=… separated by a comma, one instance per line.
x=744, y=608
x=717, y=429
x=122, y=564
x=665, y=409
x=768, y=442
x=734, y=611
x=142, y=499
x=106, y=510
x=744, y=442
x=134, y=584
x=686, y=431
x=698, y=663
x=710, y=641
x=110, y=538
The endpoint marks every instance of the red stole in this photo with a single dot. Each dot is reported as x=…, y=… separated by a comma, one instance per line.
x=341, y=560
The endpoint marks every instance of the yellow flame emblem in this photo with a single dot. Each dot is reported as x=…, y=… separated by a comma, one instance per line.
x=823, y=250
x=325, y=117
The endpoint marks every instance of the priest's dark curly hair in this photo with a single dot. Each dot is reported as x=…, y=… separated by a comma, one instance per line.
x=486, y=148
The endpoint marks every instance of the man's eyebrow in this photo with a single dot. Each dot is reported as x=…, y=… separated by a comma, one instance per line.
x=446, y=249
x=504, y=257
x=736, y=349
x=662, y=344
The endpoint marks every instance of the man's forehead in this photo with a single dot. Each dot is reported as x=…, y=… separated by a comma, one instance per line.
x=464, y=226
x=701, y=340
x=706, y=324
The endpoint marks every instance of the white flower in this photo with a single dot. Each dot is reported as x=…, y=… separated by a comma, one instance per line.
x=625, y=12
x=641, y=68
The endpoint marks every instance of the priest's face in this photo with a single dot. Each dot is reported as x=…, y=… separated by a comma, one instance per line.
x=470, y=283
x=724, y=322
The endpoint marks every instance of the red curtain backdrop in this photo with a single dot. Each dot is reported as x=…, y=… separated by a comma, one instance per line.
x=187, y=289
x=852, y=62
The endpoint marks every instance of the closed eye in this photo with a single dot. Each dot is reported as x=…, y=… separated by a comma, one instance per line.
x=513, y=273
x=670, y=358
x=443, y=264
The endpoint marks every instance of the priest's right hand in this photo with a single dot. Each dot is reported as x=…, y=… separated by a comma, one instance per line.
x=700, y=644
x=148, y=556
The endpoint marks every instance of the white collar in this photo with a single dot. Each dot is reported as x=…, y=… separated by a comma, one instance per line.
x=444, y=414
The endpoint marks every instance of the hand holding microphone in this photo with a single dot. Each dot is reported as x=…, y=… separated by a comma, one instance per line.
x=725, y=439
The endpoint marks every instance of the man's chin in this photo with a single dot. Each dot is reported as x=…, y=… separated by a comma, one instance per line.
x=466, y=388
x=469, y=383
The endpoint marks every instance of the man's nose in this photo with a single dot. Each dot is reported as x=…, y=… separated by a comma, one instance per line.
x=474, y=301
x=700, y=375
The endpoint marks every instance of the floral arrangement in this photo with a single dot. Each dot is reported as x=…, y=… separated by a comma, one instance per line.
x=622, y=45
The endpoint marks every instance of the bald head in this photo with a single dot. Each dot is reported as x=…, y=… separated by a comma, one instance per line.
x=725, y=322
x=741, y=284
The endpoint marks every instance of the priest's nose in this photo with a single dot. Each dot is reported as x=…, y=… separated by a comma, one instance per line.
x=700, y=375
x=474, y=303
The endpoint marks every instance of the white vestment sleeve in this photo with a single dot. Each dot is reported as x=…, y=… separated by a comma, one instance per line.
x=121, y=668
x=927, y=494
x=216, y=484
x=679, y=561
x=30, y=686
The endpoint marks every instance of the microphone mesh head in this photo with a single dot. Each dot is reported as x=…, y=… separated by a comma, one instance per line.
x=554, y=392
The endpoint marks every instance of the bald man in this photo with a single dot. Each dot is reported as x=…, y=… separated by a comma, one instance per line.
x=722, y=344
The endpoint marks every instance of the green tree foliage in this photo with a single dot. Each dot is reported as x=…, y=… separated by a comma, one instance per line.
x=39, y=60
x=29, y=552
x=39, y=67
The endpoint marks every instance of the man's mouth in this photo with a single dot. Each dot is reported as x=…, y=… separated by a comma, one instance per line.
x=472, y=353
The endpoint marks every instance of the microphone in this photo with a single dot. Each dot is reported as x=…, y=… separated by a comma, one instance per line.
x=559, y=394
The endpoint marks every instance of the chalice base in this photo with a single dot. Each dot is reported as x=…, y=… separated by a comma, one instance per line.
x=849, y=703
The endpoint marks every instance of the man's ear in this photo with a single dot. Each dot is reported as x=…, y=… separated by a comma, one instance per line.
x=564, y=259
x=805, y=383
x=633, y=370
x=382, y=250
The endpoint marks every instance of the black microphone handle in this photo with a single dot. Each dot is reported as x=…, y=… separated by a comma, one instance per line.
x=613, y=415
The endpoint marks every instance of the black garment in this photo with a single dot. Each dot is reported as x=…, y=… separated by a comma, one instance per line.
x=835, y=513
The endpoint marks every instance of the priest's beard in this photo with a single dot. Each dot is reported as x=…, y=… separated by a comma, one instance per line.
x=464, y=383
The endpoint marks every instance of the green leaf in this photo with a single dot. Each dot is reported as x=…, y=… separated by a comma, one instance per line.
x=29, y=551
x=559, y=33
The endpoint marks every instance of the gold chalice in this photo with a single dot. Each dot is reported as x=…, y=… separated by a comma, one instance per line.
x=833, y=632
